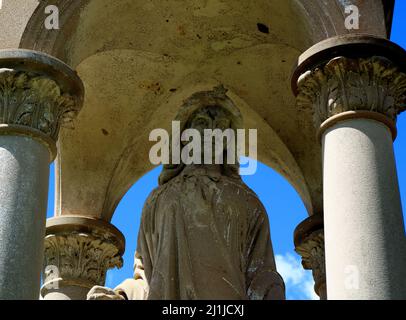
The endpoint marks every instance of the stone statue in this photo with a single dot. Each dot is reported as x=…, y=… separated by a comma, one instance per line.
x=204, y=234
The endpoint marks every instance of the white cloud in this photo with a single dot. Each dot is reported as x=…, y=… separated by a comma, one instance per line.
x=298, y=281
x=308, y=288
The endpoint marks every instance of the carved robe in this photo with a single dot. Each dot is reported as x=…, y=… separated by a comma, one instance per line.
x=204, y=235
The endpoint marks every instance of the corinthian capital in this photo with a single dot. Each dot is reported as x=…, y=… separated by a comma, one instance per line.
x=309, y=244
x=343, y=84
x=80, y=258
x=312, y=252
x=79, y=251
x=35, y=101
x=38, y=95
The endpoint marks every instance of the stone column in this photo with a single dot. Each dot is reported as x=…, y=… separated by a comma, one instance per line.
x=78, y=253
x=309, y=244
x=38, y=94
x=355, y=86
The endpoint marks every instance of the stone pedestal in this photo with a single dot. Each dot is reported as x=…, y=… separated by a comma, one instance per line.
x=309, y=244
x=78, y=253
x=356, y=86
x=38, y=94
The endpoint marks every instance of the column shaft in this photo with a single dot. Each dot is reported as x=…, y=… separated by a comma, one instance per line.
x=355, y=87
x=24, y=172
x=364, y=230
x=38, y=95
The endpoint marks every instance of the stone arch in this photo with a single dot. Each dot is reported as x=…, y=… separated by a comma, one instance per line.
x=138, y=68
x=317, y=21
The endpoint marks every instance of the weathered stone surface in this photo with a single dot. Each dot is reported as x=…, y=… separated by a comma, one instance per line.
x=168, y=51
x=204, y=234
x=313, y=258
x=32, y=100
x=363, y=223
x=139, y=68
x=14, y=16
x=24, y=172
x=36, y=97
x=81, y=258
x=78, y=253
x=356, y=96
x=372, y=84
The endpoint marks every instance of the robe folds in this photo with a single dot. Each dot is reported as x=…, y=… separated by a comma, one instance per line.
x=204, y=235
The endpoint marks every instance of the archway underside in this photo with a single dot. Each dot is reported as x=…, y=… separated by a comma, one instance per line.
x=140, y=59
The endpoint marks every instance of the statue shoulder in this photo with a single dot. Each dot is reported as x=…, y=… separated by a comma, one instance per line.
x=240, y=184
x=158, y=192
x=153, y=196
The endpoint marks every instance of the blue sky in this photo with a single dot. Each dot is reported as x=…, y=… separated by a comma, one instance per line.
x=284, y=207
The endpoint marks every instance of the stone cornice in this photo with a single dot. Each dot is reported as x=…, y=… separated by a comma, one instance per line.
x=352, y=46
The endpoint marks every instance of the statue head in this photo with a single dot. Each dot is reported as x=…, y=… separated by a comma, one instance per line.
x=207, y=110
x=210, y=117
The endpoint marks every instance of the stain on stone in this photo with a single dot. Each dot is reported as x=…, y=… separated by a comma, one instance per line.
x=155, y=87
x=239, y=62
x=105, y=132
x=263, y=28
x=172, y=90
x=181, y=30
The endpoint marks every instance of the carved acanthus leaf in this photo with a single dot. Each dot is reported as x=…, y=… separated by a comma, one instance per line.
x=81, y=257
x=35, y=101
x=344, y=84
x=313, y=257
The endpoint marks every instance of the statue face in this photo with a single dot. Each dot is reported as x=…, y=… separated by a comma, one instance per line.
x=211, y=118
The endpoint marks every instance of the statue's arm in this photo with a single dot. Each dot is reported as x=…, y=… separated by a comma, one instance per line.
x=263, y=280
x=129, y=289
x=104, y=293
x=136, y=288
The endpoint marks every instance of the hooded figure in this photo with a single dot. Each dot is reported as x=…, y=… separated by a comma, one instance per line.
x=203, y=234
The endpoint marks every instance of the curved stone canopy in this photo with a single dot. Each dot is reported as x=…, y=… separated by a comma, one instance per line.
x=140, y=59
